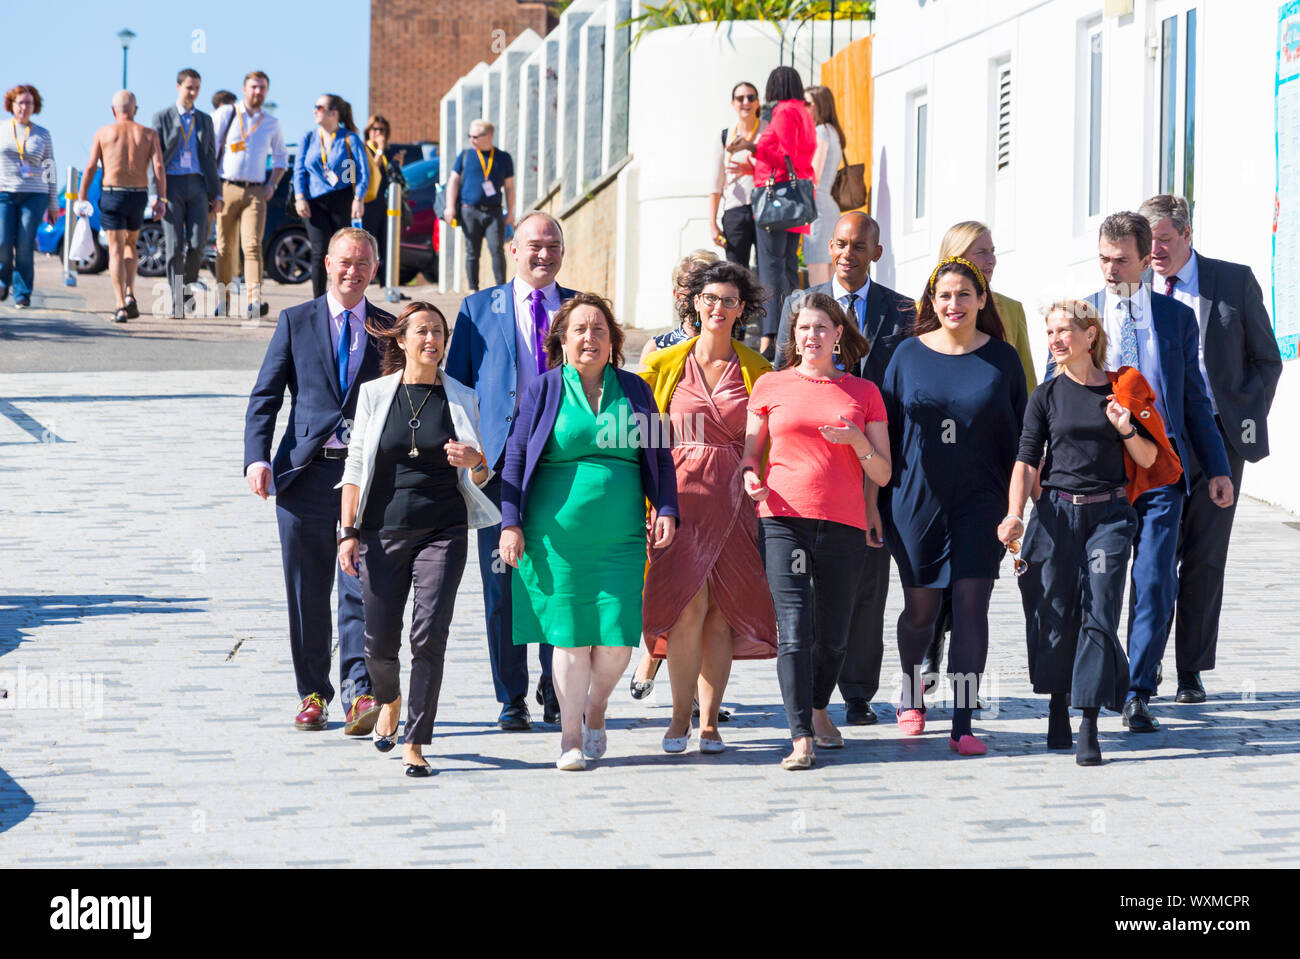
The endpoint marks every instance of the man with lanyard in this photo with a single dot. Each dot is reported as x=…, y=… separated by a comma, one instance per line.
x=193, y=189
x=246, y=136
x=479, y=179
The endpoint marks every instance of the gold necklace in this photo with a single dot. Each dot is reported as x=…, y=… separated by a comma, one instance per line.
x=414, y=422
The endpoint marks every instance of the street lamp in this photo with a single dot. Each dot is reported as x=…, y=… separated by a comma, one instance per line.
x=126, y=36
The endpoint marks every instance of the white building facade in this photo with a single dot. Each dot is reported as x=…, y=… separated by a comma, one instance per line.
x=1040, y=117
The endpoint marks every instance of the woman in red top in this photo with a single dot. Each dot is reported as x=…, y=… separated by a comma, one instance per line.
x=828, y=437
x=789, y=133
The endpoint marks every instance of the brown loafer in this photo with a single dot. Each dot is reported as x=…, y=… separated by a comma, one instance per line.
x=312, y=713
x=362, y=716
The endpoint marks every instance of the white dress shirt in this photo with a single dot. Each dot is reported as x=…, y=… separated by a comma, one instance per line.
x=261, y=136
x=525, y=338
x=1148, y=350
x=1187, y=290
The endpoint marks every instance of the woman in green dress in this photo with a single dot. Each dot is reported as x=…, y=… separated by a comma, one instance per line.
x=586, y=452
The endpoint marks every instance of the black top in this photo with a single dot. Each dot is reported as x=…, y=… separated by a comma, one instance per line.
x=1084, y=451
x=415, y=492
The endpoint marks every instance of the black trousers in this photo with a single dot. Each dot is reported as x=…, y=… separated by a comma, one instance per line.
x=860, y=674
x=185, y=224
x=812, y=569
x=1073, y=595
x=738, y=228
x=481, y=223
x=375, y=220
x=778, y=271
x=330, y=212
x=393, y=561
x=1202, y=558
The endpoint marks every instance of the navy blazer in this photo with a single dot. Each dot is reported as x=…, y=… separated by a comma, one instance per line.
x=482, y=355
x=532, y=430
x=890, y=315
x=301, y=358
x=1190, y=419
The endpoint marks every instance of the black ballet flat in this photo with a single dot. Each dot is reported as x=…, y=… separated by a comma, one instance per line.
x=385, y=743
x=418, y=771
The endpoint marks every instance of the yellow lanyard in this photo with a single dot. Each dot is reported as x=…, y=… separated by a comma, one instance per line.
x=243, y=137
x=487, y=168
x=21, y=151
x=325, y=150
x=186, y=138
x=735, y=131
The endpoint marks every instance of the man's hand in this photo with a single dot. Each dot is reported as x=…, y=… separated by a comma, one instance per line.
x=1221, y=491
x=259, y=480
x=268, y=191
x=303, y=209
x=215, y=206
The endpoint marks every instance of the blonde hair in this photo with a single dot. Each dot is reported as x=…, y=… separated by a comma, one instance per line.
x=960, y=237
x=1083, y=316
x=353, y=233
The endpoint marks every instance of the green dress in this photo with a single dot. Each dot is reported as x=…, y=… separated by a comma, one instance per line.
x=580, y=579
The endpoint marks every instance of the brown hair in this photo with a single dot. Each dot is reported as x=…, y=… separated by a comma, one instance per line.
x=1083, y=316
x=393, y=357
x=987, y=321
x=823, y=104
x=1126, y=223
x=18, y=91
x=258, y=75
x=1167, y=205
x=188, y=74
x=853, y=345
x=560, y=326
x=381, y=121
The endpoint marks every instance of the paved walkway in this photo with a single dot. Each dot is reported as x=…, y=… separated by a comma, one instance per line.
x=149, y=696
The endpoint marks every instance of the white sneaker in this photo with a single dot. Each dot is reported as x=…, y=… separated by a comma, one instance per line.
x=571, y=761
x=594, y=742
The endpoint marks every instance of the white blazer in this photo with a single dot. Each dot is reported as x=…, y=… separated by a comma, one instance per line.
x=373, y=404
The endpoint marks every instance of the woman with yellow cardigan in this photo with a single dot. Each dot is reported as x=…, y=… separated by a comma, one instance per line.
x=706, y=599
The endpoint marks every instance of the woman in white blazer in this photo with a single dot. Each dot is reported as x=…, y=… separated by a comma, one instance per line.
x=410, y=495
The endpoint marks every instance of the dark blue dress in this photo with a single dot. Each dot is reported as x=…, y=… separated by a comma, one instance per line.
x=954, y=429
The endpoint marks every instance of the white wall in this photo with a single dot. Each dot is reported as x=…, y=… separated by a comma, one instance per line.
x=1046, y=242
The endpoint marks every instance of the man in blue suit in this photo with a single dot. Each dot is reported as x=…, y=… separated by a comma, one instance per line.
x=1159, y=337
x=322, y=354
x=497, y=350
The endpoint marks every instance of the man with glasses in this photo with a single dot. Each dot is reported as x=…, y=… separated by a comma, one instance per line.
x=733, y=165
x=481, y=179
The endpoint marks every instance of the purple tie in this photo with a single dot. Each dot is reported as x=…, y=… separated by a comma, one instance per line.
x=540, y=328
x=1170, y=282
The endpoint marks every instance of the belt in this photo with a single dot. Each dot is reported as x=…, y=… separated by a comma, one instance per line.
x=332, y=453
x=125, y=189
x=1077, y=499
x=487, y=206
x=243, y=183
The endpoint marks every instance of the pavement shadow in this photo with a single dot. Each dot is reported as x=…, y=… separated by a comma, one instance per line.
x=15, y=804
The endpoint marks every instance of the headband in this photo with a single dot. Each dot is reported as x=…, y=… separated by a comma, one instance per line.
x=979, y=275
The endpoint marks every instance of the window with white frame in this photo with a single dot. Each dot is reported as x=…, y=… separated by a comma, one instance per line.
x=1094, y=67
x=1176, y=149
x=918, y=111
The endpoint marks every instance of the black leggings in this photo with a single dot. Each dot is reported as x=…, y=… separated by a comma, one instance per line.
x=970, y=642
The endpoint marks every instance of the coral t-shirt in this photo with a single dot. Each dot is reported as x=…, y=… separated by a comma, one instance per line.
x=808, y=476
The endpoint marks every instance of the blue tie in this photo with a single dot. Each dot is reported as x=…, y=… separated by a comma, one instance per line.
x=345, y=338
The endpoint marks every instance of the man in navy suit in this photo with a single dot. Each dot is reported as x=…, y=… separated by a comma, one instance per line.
x=884, y=317
x=322, y=354
x=1158, y=336
x=1241, y=364
x=497, y=350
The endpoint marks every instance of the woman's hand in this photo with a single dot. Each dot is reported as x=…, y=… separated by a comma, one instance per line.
x=739, y=143
x=303, y=209
x=461, y=455
x=1010, y=530
x=754, y=486
x=874, y=529
x=664, y=530
x=348, y=556
x=358, y=208
x=1119, y=416
x=741, y=168
x=511, y=546
x=848, y=434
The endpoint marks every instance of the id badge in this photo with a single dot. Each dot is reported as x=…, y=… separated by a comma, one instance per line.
x=237, y=146
x=24, y=169
x=331, y=178
x=489, y=188
x=187, y=160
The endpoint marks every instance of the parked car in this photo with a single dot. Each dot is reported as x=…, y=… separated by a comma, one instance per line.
x=420, y=240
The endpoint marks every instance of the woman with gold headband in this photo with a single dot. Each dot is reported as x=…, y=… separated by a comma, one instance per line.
x=954, y=397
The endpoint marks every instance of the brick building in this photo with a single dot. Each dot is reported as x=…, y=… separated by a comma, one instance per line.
x=419, y=48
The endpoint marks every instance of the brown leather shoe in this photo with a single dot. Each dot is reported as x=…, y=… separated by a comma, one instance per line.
x=362, y=716
x=312, y=713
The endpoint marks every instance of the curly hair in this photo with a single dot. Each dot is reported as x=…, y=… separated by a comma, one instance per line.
x=18, y=91
x=560, y=326
x=751, y=292
x=853, y=345
x=987, y=321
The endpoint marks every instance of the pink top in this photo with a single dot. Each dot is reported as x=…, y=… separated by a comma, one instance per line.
x=808, y=476
x=790, y=133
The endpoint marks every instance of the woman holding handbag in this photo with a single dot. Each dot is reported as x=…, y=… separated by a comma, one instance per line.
x=830, y=154
x=784, y=151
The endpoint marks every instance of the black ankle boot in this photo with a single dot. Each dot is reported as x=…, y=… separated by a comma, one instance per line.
x=1058, y=723
x=1088, y=752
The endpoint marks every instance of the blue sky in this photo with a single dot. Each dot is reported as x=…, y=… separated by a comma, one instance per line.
x=306, y=48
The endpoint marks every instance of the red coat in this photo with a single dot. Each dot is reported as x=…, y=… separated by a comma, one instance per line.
x=790, y=133
x=1133, y=392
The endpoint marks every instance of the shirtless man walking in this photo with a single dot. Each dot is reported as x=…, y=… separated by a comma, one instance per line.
x=126, y=149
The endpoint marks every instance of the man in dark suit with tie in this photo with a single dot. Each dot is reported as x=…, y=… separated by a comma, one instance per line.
x=884, y=317
x=193, y=189
x=1240, y=363
x=322, y=354
x=497, y=350
x=1156, y=335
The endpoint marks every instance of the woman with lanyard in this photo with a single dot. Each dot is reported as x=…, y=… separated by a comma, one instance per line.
x=384, y=169
x=26, y=154
x=330, y=179
x=733, y=163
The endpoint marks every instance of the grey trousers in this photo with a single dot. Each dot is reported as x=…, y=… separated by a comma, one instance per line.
x=393, y=562
x=481, y=223
x=185, y=227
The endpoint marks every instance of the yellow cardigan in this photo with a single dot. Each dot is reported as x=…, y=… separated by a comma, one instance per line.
x=1013, y=320
x=664, y=368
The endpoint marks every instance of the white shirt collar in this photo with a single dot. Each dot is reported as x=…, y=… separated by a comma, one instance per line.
x=838, y=291
x=1141, y=301
x=181, y=110
x=336, y=307
x=550, y=292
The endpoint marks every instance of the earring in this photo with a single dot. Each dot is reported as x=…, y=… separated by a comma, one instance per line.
x=836, y=350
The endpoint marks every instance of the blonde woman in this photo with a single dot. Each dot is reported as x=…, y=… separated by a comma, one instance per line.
x=830, y=154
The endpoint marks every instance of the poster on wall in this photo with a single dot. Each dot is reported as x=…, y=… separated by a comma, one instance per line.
x=1286, y=201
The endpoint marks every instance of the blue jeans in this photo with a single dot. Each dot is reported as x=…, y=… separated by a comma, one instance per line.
x=20, y=216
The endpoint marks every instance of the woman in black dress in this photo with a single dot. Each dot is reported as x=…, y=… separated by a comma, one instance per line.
x=955, y=395
x=1077, y=545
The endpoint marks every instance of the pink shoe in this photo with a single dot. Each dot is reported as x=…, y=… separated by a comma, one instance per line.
x=967, y=746
x=912, y=722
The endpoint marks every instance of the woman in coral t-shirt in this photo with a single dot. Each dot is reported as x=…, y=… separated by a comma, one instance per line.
x=828, y=439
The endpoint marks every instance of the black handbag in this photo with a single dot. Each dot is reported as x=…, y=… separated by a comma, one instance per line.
x=780, y=206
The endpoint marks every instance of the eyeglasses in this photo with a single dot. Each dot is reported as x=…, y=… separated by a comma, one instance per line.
x=728, y=302
x=746, y=97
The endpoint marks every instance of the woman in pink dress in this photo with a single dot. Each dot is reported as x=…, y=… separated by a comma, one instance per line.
x=706, y=600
